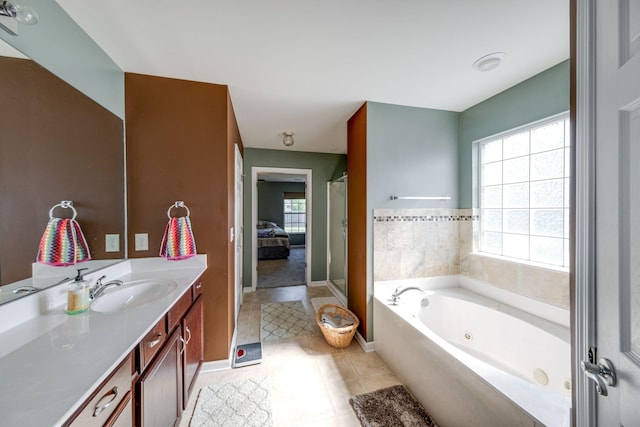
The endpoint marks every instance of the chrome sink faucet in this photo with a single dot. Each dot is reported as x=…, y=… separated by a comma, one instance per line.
x=100, y=287
x=395, y=296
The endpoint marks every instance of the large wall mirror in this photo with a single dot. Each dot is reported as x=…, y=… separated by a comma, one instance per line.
x=57, y=144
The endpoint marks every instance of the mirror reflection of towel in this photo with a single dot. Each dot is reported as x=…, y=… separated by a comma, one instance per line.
x=62, y=243
x=178, y=241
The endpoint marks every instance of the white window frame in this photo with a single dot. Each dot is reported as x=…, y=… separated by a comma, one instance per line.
x=520, y=129
x=304, y=215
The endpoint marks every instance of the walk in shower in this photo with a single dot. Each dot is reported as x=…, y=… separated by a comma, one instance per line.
x=337, y=234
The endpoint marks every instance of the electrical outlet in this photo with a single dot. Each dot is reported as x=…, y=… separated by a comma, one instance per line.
x=112, y=243
x=142, y=241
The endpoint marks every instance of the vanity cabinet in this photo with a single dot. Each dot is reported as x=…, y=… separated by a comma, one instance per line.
x=167, y=376
x=151, y=387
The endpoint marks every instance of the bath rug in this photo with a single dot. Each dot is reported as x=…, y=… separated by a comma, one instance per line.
x=391, y=406
x=284, y=320
x=240, y=403
x=320, y=301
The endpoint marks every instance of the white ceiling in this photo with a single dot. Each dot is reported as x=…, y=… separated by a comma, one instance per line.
x=306, y=67
x=281, y=177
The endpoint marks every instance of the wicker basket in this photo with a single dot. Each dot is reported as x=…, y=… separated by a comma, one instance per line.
x=337, y=337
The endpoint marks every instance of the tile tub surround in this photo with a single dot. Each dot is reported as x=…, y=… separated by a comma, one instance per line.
x=420, y=243
x=415, y=243
x=59, y=359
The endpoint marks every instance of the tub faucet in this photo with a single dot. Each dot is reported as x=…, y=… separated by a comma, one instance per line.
x=99, y=287
x=395, y=296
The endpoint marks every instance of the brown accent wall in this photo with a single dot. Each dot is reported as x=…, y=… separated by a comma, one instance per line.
x=56, y=144
x=357, y=207
x=179, y=147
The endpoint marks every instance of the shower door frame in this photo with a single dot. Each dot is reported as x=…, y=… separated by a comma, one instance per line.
x=342, y=296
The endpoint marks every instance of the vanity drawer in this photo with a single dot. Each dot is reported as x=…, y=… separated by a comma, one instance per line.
x=197, y=289
x=151, y=343
x=178, y=310
x=107, y=398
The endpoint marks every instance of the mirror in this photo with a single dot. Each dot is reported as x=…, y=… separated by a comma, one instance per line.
x=56, y=144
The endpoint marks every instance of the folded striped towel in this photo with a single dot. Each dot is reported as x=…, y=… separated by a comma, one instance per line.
x=178, y=241
x=62, y=243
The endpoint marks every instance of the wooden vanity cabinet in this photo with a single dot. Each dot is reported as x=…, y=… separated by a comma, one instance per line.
x=163, y=372
x=163, y=390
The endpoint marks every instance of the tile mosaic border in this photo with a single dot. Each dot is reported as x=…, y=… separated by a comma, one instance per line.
x=416, y=218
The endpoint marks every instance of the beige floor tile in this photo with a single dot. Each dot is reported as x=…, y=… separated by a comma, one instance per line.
x=311, y=381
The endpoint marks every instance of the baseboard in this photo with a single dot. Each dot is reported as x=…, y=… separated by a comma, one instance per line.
x=224, y=364
x=216, y=365
x=368, y=347
x=318, y=283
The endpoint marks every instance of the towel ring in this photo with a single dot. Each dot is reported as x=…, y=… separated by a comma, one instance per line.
x=65, y=204
x=178, y=204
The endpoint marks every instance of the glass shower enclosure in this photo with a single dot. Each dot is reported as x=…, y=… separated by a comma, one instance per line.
x=337, y=234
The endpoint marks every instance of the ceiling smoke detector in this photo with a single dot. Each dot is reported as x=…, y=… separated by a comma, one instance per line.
x=287, y=139
x=489, y=62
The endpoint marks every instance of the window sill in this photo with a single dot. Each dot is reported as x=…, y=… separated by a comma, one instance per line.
x=521, y=261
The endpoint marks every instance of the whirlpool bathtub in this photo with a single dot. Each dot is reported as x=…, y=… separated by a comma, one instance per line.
x=474, y=360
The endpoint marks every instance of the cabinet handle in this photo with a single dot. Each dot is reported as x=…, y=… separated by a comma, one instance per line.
x=112, y=394
x=156, y=341
x=186, y=328
x=184, y=345
x=199, y=286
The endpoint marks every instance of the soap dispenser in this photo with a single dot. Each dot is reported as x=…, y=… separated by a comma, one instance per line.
x=78, y=295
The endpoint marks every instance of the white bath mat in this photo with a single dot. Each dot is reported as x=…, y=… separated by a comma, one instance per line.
x=240, y=403
x=320, y=301
x=284, y=320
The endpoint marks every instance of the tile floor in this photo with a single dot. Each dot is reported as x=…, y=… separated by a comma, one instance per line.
x=311, y=381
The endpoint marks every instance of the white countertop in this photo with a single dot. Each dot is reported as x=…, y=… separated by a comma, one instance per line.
x=51, y=363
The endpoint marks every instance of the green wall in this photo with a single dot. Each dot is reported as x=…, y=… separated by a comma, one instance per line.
x=541, y=96
x=324, y=167
x=271, y=204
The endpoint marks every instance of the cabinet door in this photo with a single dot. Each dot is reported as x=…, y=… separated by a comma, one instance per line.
x=159, y=390
x=192, y=332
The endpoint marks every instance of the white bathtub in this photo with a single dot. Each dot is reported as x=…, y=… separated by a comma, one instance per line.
x=473, y=360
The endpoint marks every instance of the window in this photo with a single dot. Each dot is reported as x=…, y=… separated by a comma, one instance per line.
x=295, y=214
x=524, y=193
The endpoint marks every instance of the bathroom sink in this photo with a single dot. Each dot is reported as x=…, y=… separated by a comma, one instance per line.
x=132, y=294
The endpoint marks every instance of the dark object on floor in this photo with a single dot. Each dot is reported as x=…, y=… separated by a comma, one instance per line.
x=248, y=354
x=392, y=406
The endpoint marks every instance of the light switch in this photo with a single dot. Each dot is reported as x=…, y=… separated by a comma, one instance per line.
x=142, y=241
x=112, y=243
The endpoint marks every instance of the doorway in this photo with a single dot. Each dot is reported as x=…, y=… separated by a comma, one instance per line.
x=281, y=227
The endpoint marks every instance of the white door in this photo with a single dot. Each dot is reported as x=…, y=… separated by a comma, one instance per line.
x=617, y=213
x=239, y=231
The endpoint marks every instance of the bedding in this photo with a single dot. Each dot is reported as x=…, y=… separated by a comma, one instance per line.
x=273, y=241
